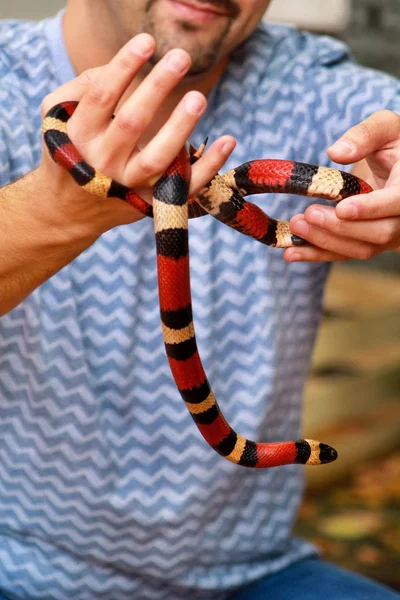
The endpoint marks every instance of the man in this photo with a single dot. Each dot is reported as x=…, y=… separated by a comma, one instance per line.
x=107, y=489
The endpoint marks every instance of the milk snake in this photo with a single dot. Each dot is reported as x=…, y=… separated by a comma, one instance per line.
x=222, y=198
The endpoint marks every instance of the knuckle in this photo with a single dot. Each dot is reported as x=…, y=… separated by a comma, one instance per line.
x=150, y=166
x=88, y=75
x=365, y=252
x=126, y=61
x=365, y=131
x=386, y=234
x=324, y=242
x=128, y=124
x=213, y=162
x=341, y=227
x=161, y=81
x=99, y=95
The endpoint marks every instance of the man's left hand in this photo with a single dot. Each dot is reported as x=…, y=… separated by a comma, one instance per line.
x=362, y=226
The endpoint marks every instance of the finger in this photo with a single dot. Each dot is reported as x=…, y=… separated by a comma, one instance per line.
x=311, y=254
x=210, y=163
x=98, y=104
x=72, y=90
x=147, y=166
x=332, y=242
x=362, y=140
x=377, y=231
x=139, y=110
x=376, y=205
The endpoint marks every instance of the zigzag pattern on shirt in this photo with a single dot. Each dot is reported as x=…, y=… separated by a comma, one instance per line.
x=106, y=488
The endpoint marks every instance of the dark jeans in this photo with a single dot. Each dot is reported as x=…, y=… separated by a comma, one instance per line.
x=311, y=579
x=314, y=579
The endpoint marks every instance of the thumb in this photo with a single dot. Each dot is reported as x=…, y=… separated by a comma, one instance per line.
x=362, y=140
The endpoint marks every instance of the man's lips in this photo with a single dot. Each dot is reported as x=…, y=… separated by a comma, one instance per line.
x=193, y=9
x=206, y=7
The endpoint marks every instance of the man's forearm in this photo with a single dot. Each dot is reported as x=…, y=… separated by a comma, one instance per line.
x=31, y=251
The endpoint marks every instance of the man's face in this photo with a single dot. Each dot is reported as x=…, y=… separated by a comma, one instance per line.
x=207, y=29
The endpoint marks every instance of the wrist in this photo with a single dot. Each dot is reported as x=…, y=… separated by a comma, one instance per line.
x=60, y=211
x=69, y=213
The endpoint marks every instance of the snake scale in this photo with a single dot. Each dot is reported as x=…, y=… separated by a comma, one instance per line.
x=223, y=198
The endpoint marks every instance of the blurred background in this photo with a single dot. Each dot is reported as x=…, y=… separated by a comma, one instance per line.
x=352, y=508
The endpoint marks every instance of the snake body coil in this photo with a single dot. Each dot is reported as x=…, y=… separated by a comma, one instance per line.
x=222, y=198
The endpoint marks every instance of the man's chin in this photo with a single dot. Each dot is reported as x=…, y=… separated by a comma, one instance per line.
x=201, y=64
x=202, y=42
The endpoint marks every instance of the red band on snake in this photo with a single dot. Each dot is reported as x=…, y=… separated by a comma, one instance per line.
x=222, y=198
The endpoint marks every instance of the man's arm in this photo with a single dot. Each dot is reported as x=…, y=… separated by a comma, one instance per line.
x=31, y=250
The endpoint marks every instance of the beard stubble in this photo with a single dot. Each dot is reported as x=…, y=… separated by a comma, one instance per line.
x=203, y=46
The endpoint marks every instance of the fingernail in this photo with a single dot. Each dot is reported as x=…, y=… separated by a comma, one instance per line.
x=294, y=257
x=194, y=104
x=345, y=148
x=348, y=211
x=142, y=44
x=177, y=61
x=316, y=217
x=300, y=227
